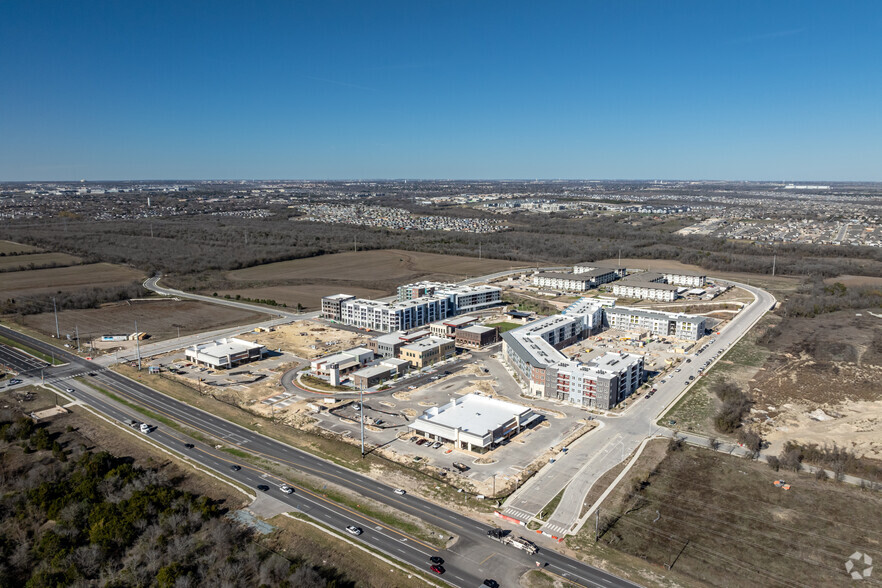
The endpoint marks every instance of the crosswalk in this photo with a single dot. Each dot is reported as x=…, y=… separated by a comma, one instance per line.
x=518, y=514
x=554, y=529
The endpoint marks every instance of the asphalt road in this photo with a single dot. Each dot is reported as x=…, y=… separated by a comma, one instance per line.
x=467, y=561
x=19, y=362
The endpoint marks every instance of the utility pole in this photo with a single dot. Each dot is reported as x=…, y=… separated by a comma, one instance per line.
x=138, y=345
x=774, y=259
x=361, y=417
x=55, y=310
x=596, y=524
x=479, y=250
x=77, y=329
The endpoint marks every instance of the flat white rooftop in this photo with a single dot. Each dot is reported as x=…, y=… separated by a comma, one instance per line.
x=222, y=348
x=474, y=414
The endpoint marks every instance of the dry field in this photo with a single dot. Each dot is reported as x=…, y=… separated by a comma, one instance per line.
x=718, y=520
x=8, y=247
x=300, y=337
x=367, y=273
x=851, y=281
x=14, y=262
x=44, y=281
x=309, y=295
x=387, y=264
x=160, y=318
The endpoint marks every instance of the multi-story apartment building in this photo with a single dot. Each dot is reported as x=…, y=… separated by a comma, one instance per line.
x=562, y=281
x=427, y=351
x=686, y=278
x=668, y=324
x=446, y=300
x=644, y=287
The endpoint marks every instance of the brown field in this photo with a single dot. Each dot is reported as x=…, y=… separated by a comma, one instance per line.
x=14, y=262
x=832, y=362
x=718, y=520
x=368, y=266
x=160, y=319
x=855, y=280
x=8, y=247
x=60, y=278
x=309, y=295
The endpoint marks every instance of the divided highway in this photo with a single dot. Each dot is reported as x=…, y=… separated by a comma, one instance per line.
x=468, y=561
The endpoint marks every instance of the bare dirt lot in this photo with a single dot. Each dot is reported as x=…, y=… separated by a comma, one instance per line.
x=43, y=281
x=160, y=319
x=13, y=262
x=832, y=362
x=300, y=337
x=8, y=247
x=365, y=273
x=718, y=520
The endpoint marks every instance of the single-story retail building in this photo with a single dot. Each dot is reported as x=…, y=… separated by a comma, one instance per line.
x=474, y=422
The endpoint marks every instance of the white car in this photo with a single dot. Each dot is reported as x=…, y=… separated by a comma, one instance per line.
x=286, y=489
x=399, y=492
x=352, y=530
x=146, y=429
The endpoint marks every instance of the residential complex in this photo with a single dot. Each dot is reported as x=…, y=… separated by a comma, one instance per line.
x=474, y=423
x=563, y=281
x=346, y=361
x=667, y=324
x=439, y=301
x=686, y=278
x=646, y=286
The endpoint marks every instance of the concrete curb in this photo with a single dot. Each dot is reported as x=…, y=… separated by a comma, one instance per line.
x=611, y=487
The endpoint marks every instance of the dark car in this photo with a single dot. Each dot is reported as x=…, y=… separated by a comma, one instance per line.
x=263, y=487
x=93, y=374
x=235, y=468
x=437, y=569
x=189, y=445
x=491, y=583
x=436, y=560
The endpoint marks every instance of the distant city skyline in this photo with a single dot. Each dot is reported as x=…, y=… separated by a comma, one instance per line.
x=689, y=90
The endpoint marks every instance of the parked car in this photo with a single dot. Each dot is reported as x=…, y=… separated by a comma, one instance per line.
x=353, y=530
x=421, y=441
x=412, y=439
x=436, y=445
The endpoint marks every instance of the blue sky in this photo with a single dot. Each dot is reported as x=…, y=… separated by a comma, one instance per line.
x=441, y=89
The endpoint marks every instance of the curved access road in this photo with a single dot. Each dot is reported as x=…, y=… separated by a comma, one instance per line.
x=604, y=448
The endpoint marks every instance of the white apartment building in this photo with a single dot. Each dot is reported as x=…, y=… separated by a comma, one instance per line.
x=686, y=278
x=668, y=324
x=646, y=290
x=562, y=281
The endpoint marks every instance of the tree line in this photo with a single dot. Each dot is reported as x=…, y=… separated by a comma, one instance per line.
x=203, y=243
x=71, y=299
x=73, y=517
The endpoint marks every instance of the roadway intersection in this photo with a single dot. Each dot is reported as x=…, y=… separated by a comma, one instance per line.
x=470, y=559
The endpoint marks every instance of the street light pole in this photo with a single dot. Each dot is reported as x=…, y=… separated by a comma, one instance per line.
x=55, y=310
x=138, y=345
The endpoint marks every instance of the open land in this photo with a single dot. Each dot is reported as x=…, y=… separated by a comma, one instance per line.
x=370, y=274
x=719, y=520
x=45, y=281
x=7, y=247
x=309, y=339
x=850, y=281
x=308, y=295
x=13, y=262
x=160, y=318
x=823, y=383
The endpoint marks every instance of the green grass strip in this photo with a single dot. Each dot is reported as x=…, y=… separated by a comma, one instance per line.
x=31, y=351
